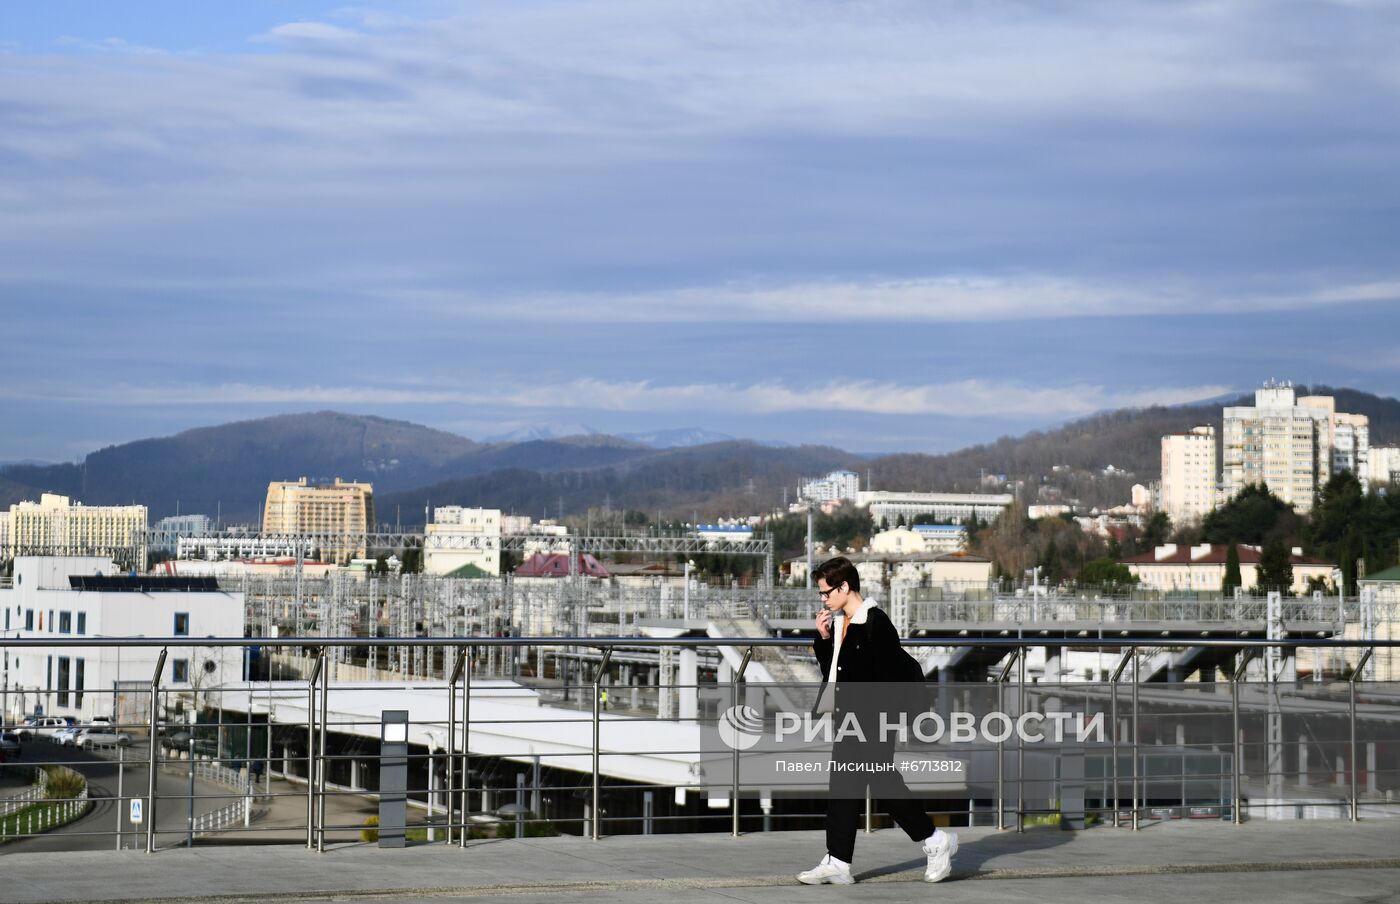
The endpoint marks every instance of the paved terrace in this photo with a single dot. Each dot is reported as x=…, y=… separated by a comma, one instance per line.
x=1170, y=862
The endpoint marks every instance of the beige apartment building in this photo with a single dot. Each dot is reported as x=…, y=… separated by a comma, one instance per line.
x=342, y=508
x=1188, y=474
x=1291, y=444
x=57, y=526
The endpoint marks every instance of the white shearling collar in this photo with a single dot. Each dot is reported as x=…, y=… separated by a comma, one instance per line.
x=866, y=604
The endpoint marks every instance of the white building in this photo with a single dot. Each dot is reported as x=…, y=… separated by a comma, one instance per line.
x=459, y=537
x=886, y=507
x=1383, y=465
x=70, y=598
x=56, y=526
x=921, y=538
x=838, y=486
x=1202, y=568
x=1279, y=443
x=1351, y=445
x=720, y=534
x=1188, y=474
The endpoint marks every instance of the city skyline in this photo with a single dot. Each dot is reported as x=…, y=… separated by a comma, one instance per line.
x=899, y=227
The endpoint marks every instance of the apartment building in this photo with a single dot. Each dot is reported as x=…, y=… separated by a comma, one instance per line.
x=57, y=526
x=838, y=486
x=343, y=508
x=1291, y=444
x=1383, y=465
x=1188, y=474
x=886, y=507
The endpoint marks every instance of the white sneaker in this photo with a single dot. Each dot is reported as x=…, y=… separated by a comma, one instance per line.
x=940, y=856
x=829, y=871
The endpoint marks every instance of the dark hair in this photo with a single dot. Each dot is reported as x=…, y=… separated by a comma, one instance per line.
x=836, y=572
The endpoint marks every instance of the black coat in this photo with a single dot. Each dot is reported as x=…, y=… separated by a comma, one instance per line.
x=869, y=652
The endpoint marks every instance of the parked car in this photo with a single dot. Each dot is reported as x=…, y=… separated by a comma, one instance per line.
x=64, y=736
x=98, y=736
x=9, y=744
x=43, y=726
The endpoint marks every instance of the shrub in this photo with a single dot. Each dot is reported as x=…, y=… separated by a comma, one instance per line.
x=371, y=831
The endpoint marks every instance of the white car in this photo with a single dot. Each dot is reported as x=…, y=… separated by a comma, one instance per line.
x=64, y=737
x=42, y=727
x=98, y=736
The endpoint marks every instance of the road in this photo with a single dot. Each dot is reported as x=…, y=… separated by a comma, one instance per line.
x=172, y=808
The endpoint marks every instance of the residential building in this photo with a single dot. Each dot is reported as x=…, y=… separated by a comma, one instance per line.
x=1351, y=445
x=1053, y=510
x=886, y=507
x=463, y=538
x=1188, y=474
x=838, y=486
x=342, y=510
x=72, y=597
x=1278, y=443
x=4, y=535
x=57, y=526
x=1202, y=568
x=1383, y=465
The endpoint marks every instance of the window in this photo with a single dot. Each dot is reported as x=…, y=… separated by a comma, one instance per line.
x=7, y=619
x=29, y=619
x=63, y=669
x=82, y=624
x=78, y=682
x=180, y=671
x=182, y=624
x=65, y=623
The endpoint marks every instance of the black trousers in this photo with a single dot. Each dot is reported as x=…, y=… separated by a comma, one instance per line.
x=846, y=801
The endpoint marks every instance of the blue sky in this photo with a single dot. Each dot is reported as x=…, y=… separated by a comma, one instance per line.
x=884, y=226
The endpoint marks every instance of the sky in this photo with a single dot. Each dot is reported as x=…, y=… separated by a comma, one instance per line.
x=883, y=226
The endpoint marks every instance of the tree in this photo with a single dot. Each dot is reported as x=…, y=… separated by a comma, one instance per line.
x=1106, y=573
x=1253, y=516
x=1276, y=568
x=1158, y=528
x=1232, y=571
x=381, y=564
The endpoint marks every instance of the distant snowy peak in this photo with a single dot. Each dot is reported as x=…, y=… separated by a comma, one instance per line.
x=535, y=432
x=677, y=438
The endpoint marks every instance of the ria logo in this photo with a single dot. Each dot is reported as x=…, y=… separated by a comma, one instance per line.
x=740, y=727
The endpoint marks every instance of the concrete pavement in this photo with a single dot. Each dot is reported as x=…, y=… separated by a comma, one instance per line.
x=1258, y=862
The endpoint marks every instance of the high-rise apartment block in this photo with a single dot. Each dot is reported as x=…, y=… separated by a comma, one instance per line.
x=837, y=486
x=1383, y=465
x=341, y=509
x=1291, y=444
x=1188, y=473
x=56, y=526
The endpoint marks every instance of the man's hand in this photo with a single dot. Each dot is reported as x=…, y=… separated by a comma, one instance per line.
x=824, y=623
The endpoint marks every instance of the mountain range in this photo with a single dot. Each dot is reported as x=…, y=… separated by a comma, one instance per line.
x=679, y=473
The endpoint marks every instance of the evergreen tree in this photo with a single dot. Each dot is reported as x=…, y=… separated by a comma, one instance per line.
x=1276, y=568
x=1232, y=571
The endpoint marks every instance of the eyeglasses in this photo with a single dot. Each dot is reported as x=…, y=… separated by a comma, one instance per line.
x=826, y=594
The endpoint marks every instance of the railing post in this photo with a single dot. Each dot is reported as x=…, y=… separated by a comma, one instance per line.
x=1237, y=801
x=597, y=717
x=311, y=749
x=466, y=740
x=1001, y=757
x=449, y=797
x=1021, y=742
x=1351, y=706
x=1113, y=702
x=1137, y=778
x=734, y=779
x=324, y=713
x=153, y=760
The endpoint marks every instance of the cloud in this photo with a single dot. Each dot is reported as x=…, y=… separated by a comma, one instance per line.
x=964, y=398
